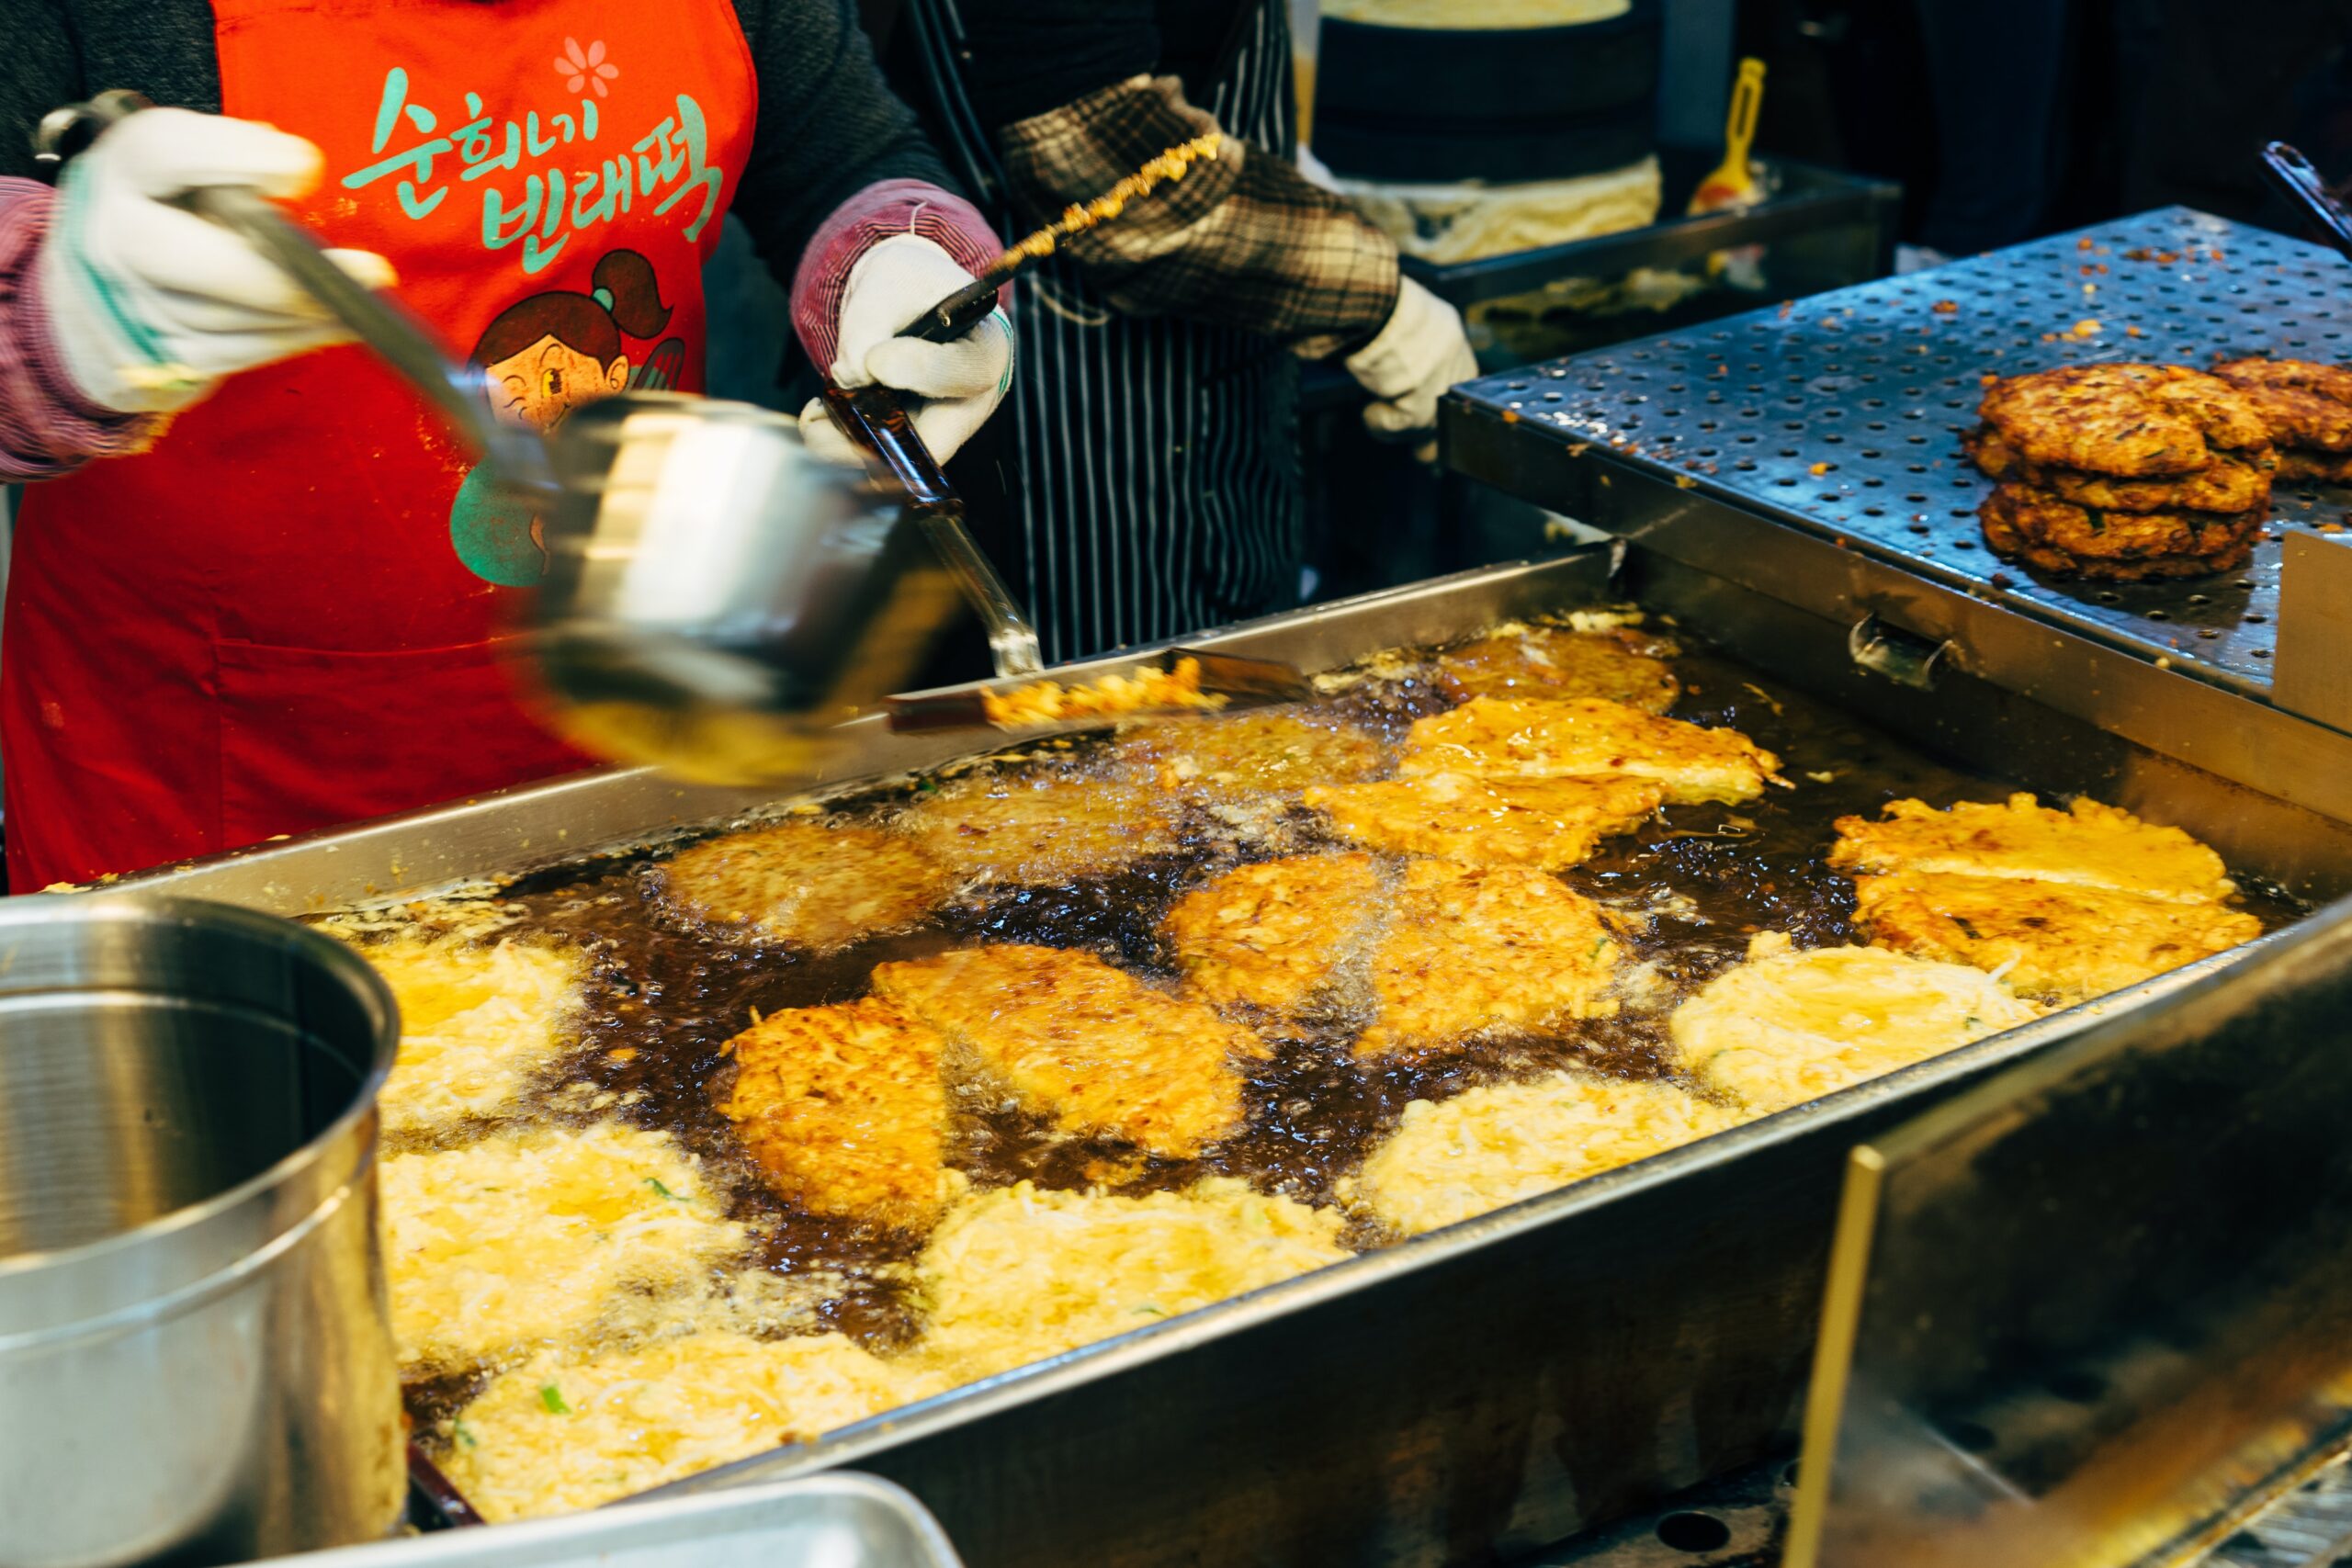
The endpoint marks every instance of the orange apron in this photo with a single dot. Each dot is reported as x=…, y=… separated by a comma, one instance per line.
x=286, y=613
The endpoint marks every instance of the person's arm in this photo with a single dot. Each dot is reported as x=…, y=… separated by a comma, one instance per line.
x=851, y=209
x=47, y=426
x=1243, y=240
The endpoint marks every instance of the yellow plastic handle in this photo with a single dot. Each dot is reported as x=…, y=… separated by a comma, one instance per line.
x=1746, y=102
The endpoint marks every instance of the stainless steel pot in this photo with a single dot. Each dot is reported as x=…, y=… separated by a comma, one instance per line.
x=196, y=1359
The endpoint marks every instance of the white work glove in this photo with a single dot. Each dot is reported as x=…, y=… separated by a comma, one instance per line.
x=960, y=383
x=150, y=304
x=1420, y=353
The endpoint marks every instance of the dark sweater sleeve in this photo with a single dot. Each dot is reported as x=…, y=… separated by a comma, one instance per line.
x=39, y=72
x=827, y=126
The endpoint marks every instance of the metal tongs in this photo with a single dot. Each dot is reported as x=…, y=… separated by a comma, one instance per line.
x=2294, y=177
x=877, y=420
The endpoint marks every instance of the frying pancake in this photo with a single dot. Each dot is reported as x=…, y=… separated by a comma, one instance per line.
x=554, y=1437
x=525, y=1240
x=1016, y=1274
x=1471, y=949
x=2235, y=482
x=1499, y=738
x=1548, y=823
x=479, y=1023
x=2068, y=942
x=2088, y=533
x=2088, y=844
x=1491, y=1147
x=1545, y=662
x=1091, y=1047
x=1269, y=935
x=2303, y=404
x=1040, y=827
x=2133, y=420
x=807, y=885
x=1266, y=751
x=1786, y=1027
x=845, y=1110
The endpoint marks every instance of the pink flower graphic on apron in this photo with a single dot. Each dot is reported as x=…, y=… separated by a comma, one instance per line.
x=586, y=68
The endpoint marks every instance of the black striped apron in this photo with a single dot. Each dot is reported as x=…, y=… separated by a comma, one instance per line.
x=1158, y=487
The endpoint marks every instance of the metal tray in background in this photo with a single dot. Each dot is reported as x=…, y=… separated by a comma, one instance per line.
x=1837, y=417
x=826, y=1521
x=1494, y=1387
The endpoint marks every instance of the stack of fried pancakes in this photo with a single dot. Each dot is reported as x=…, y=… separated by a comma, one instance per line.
x=2308, y=409
x=2124, y=472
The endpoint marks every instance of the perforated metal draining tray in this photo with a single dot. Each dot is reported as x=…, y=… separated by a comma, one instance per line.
x=1840, y=414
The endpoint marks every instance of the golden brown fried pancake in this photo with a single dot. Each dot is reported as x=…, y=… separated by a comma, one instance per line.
x=2301, y=404
x=845, y=1110
x=1269, y=935
x=1474, y=948
x=805, y=883
x=2129, y=420
x=2334, y=468
x=1545, y=661
x=1550, y=824
x=2236, y=481
x=1041, y=828
x=2088, y=844
x=1583, y=737
x=1095, y=1049
x=2020, y=524
x=2090, y=534
x=2066, y=941
x=1268, y=751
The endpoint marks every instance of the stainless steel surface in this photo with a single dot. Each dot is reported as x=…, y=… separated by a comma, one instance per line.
x=718, y=598
x=2315, y=629
x=2311, y=1527
x=195, y=1362
x=827, y=1521
x=1501, y=1385
x=2098, y=1311
x=1873, y=384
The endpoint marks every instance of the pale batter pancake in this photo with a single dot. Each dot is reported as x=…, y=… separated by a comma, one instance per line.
x=1473, y=949
x=557, y=1436
x=1016, y=1275
x=807, y=885
x=1787, y=1027
x=1547, y=823
x=1090, y=1046
x=1269, y=935
x=1583, y=737
x=1484, y=1148
x=845, y=1109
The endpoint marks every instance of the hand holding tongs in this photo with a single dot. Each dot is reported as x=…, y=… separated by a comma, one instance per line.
x=377, y=320
x=2293, y=176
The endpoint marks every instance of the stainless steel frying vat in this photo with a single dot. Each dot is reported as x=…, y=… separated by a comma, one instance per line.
x=1504, y=1383
x=196, y=1359
x=824, y=1521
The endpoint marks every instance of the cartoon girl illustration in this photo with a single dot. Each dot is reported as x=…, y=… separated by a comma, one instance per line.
x=542, y=357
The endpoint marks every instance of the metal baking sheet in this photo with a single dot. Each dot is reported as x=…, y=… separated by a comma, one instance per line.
x=840, y=1521
x=1839, y=414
